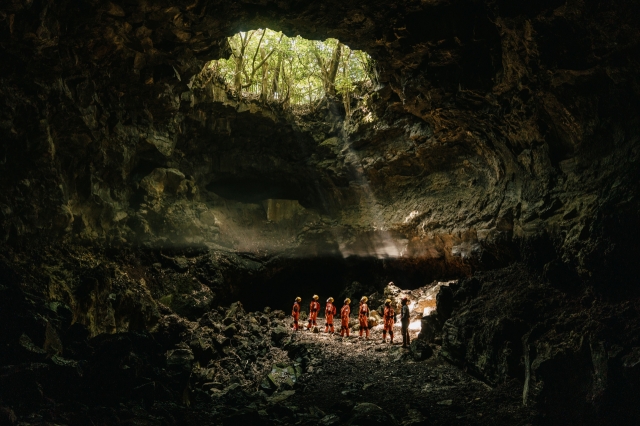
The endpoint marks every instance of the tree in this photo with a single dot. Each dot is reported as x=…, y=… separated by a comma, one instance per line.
x=292, y=71
x=329, y=69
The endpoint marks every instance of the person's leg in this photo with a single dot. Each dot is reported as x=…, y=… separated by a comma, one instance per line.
x=405, y=335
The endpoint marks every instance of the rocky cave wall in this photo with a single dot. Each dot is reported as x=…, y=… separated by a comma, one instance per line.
x=497, y=132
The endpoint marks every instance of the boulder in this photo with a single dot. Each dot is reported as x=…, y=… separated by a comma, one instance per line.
x=420, y=349
x=280, y=378
x=430, y=327
x=162, y=180
x=374, y=318
x=278, y=333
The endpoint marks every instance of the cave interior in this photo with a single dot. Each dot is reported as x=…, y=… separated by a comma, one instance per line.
x=157, y=225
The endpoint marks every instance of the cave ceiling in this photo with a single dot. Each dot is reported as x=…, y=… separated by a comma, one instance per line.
x=492, y=122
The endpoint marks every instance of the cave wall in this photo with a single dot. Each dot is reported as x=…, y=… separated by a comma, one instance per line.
x=491, y=122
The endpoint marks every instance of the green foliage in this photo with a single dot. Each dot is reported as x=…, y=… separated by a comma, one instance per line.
x=293, y=71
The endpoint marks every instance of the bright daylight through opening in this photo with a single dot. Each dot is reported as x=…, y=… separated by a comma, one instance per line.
x=270, y=66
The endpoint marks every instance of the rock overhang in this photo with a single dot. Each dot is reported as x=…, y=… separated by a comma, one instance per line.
x=503, y=153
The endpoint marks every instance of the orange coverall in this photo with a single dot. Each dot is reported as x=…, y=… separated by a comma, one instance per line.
x=363, y=316
x=389, y=319
x=344, y=316
x=314, y=307
x=295, y=313
x=329, y=312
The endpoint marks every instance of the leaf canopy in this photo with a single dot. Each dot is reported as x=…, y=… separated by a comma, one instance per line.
x=291, y=70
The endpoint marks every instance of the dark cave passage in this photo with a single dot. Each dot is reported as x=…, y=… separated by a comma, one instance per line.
x=285, y=279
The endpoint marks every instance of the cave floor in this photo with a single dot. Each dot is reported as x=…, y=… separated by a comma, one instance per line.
x=347, y=371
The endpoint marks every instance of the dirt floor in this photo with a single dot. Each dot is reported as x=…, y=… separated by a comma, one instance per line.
x=344, y=372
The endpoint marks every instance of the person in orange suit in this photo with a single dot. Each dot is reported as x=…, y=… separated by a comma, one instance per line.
x=295, y=313
x=389, y=318
x=345, y=312
x=363, y=316
x=314, y=308
x=329, y=312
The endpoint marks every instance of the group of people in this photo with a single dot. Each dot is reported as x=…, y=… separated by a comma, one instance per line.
x=330, y=311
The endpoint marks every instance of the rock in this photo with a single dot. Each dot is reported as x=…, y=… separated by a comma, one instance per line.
x=281, y=377
x=374, y=319
x=180, y=358
x=369, y=414
x=8, y=417
x=230, y=330
x=278, y=333
x=329, y=420
x=181, y=263
x=316, y=412
x=420, y=349
x=212, y=385
x=430, y=327
x=444, y=303
x=445, y=402
x=280, y=396
x=391, y=291
x=234, y=310
x=26, y=343
x=162, y=180
x=414, y=418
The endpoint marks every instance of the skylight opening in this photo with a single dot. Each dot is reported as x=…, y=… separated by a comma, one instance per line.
x=293, y=71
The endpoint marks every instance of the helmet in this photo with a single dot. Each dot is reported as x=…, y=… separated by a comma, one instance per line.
x=364, y=299
x=330, y=300
x=405, y=299
x=347, y=301
x=315, y=297
x=298, y=299
x=387, y=302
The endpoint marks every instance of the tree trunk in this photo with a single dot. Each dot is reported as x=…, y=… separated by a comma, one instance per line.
x=332, y=72
x=329, y=73
x=276, y=76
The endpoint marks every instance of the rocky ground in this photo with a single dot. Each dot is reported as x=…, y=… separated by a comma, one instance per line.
x=227, y=367
x=352, y=380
